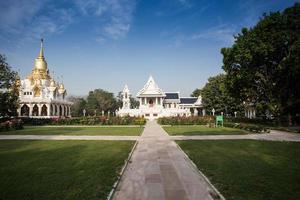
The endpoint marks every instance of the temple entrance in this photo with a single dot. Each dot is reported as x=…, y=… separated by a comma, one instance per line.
x=35, y=110
x=44, y=111
x=151, y=103
x=25, y=110
x=60, y=111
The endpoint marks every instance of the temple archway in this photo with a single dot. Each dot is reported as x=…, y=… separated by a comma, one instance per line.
x=24, y=110
x=60, y=111
x=44, y=111
x=35, y=110
x=151, y=103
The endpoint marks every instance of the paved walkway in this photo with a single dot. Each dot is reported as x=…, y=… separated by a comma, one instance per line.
x=273, y=136
x=159, y=170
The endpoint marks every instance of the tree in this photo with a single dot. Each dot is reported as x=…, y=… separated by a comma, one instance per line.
x=79, y=104
x=8, y=89
x=196, y=92
x=263, y=65
x=100, y=100
x=215, y=96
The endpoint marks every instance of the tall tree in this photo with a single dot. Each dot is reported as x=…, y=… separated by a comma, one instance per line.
x=263, y=65
x=100, y=100
x=196, y=93
x=8, y=89
x=79, y=104
x=215, y=96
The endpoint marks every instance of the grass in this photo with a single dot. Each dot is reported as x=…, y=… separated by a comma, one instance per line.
x=244, y=169
x=40, y=130
x=202, y=130
x=60, y=169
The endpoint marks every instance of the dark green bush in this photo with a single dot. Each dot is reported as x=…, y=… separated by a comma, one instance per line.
x=12, y=124
x=248, y=127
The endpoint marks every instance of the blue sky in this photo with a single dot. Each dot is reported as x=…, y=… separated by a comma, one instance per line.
x=108, y=43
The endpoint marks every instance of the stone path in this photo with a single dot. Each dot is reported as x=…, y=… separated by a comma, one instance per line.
x=273, y=136
x=159, y=170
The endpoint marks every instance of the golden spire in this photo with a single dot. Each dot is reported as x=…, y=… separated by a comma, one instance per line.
x=41, y=54
x=40, y=62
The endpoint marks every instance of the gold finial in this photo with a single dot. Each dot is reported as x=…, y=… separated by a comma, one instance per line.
x=42, y=49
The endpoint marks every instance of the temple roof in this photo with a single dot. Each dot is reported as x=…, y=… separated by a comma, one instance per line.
x=188, y=100
x=172, y=95
x=151, y=89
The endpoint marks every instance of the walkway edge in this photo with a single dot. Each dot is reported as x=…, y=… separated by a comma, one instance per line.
x=113, y=190
x=220, y=196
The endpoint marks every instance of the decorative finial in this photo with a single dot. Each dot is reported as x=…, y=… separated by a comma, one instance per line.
x=42, y=48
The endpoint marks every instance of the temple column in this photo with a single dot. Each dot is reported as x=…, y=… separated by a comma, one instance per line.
x=156, y=101
x=140, y=101
x=40, y=109
x=48, y=109
x=30, y=109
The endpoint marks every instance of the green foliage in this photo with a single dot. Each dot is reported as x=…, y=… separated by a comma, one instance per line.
x=263, y=65
x=100, y=100
x=196, y=93
x=249, y=127
x=8, y=94
x=215, y=96
x=79, y=104
x=89, y=120
x=199, y=120
x=13, y=124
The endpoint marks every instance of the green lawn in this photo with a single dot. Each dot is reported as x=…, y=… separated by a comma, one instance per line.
x=244, y=169
x=40, y=130
x=60, y=169
x=202, y=130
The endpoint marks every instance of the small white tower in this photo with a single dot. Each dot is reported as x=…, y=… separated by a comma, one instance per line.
x=126, y=98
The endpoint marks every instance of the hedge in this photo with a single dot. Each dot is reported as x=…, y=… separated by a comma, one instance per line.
x=103, y=120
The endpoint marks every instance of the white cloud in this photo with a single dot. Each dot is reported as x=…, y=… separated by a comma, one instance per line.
x=221, y=33
x=115, y=16
x=27, y=20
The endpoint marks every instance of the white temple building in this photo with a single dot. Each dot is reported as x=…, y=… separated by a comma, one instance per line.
x=155, y=103
x=40, y=95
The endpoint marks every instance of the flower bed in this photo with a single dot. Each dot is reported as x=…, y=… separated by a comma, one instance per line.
x=193, y=120
x=248, y=127
x=12, y=124
x=103, y=120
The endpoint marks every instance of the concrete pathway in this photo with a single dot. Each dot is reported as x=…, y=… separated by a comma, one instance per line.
x=273, y=136
x=159, y=170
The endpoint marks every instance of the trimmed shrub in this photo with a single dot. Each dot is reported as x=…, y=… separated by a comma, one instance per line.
x=95, y=120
